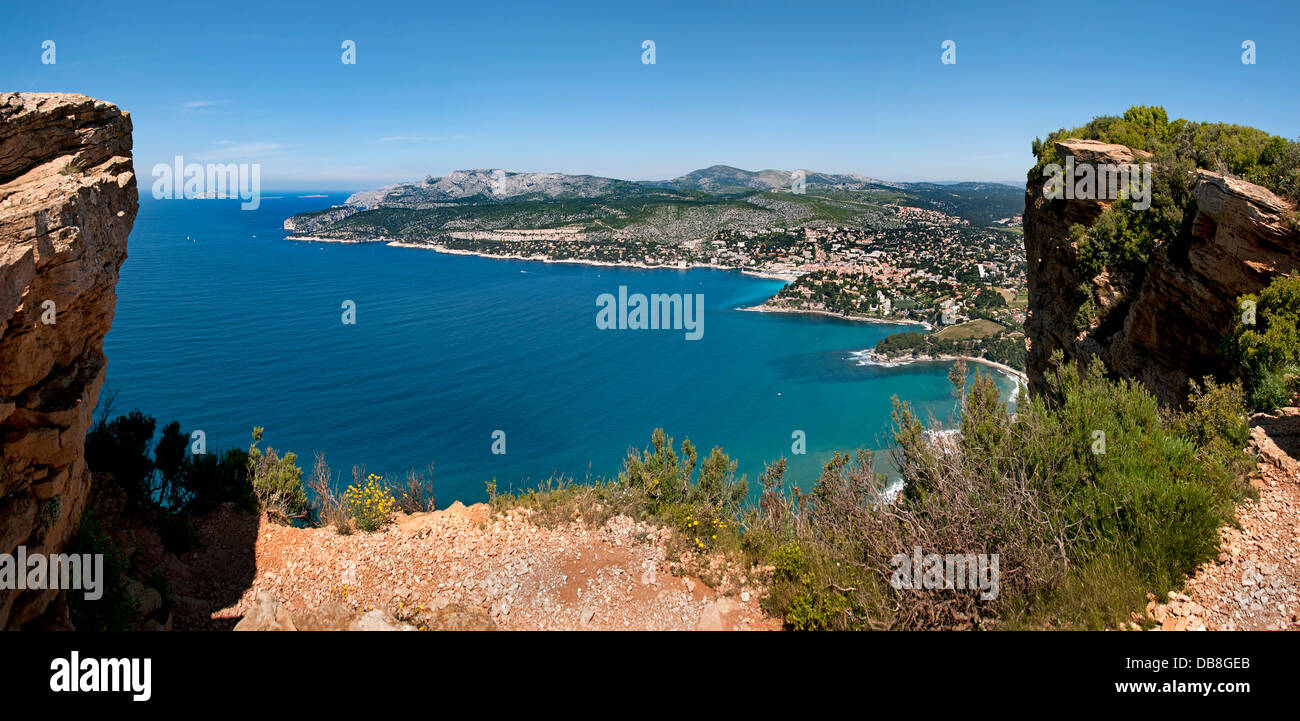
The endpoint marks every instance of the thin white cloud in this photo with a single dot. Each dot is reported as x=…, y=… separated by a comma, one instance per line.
x=196, y=104
x=239, y=151
x=419, y=138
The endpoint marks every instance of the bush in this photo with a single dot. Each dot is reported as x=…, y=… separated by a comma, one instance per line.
x=120, y=448
x=667, y=479
x=1269, y=391
x=1268, y=351
x=674, y=493
x=171, y=481
x=414, y=494
x=1081, y=535
x=277, y=482
x=369, y=501
x=215, y=478
x=1116, y=242
x=369, y=504
x=328, y=508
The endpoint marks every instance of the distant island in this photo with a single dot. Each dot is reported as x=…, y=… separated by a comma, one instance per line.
x=936, y=255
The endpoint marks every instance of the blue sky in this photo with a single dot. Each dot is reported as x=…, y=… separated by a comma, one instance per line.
x=835, y=87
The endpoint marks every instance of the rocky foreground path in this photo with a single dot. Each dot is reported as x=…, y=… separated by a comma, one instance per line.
x=1255, y=584
x=461, y=568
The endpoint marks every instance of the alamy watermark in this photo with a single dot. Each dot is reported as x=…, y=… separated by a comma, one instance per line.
x=946, y=572
x=75, y=674
x=1106, y=181
x=798, y=182
x=656, y=311
x=21, y=571
x=214, y=180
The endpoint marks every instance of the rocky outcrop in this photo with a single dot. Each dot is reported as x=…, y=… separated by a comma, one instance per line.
x=67, y=203
x=1275, y=440
x=1168, y=328
x=308, y=223
x=267, y=614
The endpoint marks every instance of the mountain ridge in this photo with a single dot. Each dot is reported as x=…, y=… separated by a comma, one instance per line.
x=500, y=183
x=679, y=209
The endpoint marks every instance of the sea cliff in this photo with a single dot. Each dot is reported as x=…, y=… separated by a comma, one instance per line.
x=1167, y=326
x=67, y=204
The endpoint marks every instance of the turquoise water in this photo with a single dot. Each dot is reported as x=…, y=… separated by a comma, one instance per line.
x=223, y=324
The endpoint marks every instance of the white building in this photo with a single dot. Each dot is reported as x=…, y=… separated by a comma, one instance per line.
x=947, y=313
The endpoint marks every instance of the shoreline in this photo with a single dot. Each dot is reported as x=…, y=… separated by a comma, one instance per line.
x=765, y=308
x=769, y=275
x=316, y=239
x=439, y=248
x=878, y=359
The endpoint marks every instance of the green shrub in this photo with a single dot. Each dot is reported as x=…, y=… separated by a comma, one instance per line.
x=1083, y=532
x=811, y=610
x=277, y=482
x=1268, y=351
x=1269, y=391
x=1116, y=242
x=669, y=480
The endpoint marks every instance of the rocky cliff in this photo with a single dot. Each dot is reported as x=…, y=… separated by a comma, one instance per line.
x=1168, y=327
x=67, y=203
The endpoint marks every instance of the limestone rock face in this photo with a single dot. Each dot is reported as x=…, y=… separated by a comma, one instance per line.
x=67, y=203
x=267, y=614
x=1168, y=329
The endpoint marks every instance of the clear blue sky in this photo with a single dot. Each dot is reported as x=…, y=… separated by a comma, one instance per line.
x=851, y=87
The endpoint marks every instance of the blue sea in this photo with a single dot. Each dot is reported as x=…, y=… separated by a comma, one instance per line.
x=224, y=325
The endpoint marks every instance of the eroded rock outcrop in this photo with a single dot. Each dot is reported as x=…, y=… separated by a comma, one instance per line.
x=267, y=614
x=1168, y=328
x=67, y=203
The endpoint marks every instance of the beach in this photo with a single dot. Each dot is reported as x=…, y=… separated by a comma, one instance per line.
x=875, y=358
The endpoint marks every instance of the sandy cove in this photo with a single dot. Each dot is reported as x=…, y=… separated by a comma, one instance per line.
x=765, y=308
x=944, y=358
